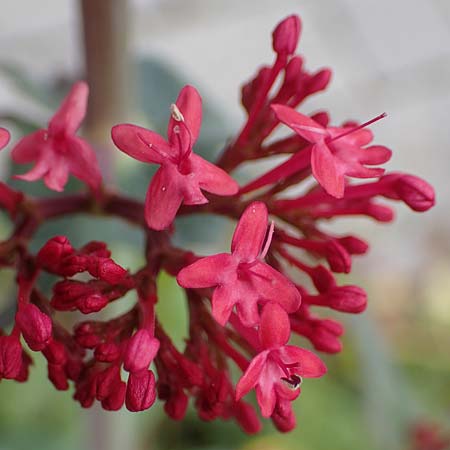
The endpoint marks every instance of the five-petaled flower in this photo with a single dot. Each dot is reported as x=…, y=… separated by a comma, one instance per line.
x=242, y=278
x=277, y=371
x=58, y=151
x=335, y=152
x=183, y=174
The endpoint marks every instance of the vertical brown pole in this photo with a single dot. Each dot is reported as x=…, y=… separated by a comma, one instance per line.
x=105, y=39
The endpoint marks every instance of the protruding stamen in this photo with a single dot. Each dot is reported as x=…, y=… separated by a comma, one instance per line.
x=365, y=124
x=176, y=113
x=268, y=240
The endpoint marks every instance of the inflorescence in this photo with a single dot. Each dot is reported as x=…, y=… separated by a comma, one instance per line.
x=243, y=306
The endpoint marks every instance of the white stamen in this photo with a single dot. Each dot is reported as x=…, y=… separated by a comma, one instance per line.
x=176, y=113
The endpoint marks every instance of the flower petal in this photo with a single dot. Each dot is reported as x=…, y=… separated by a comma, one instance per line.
x=189, y=103
x=38, y=171
x=83, y=162
x=71, y=113
x=212, y=178
x=250, y=232
x=29, y=147
x=223, y=301
x=326, y=171
x=247, y=310
x=375, y=154
x=250, y=378
x=310, y=365
x=272, y=285
x=205, y=272
x=266, y=398
x=164, y=198
x=58, y=174
x=274, y=328
x=303, y=125
x=4, y=138
x=141, y=144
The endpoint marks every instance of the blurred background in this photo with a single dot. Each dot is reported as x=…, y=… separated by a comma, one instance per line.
x=386, y=55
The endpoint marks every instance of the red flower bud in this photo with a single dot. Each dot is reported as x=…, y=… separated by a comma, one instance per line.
x=35, y=326
x=107, y=352
x=115, y=400
x=57, y=375
x=53, y=252
x=350, y=299
x=286, y=35
x=140, y=352
x=10, y=357
x=141, y=392
x=415, y=192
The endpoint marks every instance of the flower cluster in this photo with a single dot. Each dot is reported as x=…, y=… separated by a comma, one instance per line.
x=275, y=285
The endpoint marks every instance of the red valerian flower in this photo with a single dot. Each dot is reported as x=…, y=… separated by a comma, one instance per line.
x=242, y=278
x=276, y=372
x=57, y=151
x=336, y=151
x=183, y=174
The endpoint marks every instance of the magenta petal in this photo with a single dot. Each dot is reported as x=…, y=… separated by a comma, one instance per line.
x=38, y=171
x=164, y=197
x=250, y=232
x=83, y=162
x=310, y=365
x=141, y=144
x=325, y=170
x=274, y=328
x=266, y=398
x=205, y=272
x=29, y=147
x=375, y=154
x=57, y=175
x=4, y=138
x=212, y=178
x=71, y=113
x=303, y=125
x=251, y=376
x=247, y=310
x=273, y=286
x=189, y=103
x=223, y=301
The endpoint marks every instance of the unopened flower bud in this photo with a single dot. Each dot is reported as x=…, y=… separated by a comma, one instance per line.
x=141, y=392
x=10, y=357
x=140, y=352
x=286, y=35
x=35, y=326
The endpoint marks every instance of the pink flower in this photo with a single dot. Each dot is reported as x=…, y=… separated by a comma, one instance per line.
x=336, y=152
x=242, y=278
x=183, y=174
x=57, y=151
x=276, y=372
x=4, y=138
